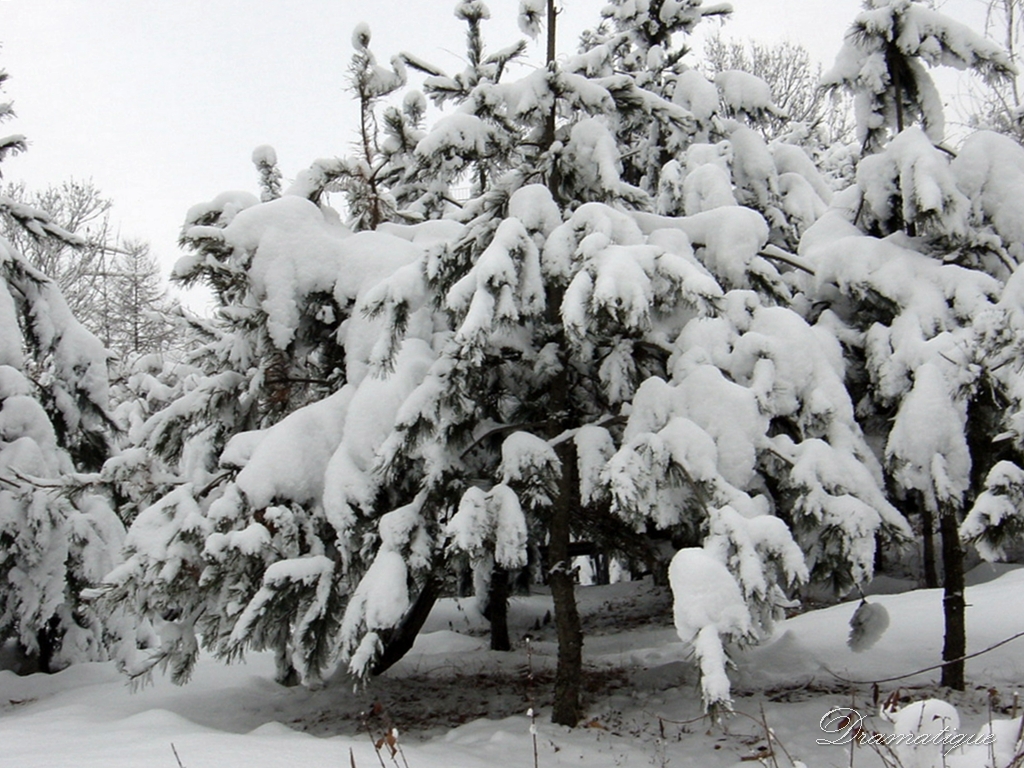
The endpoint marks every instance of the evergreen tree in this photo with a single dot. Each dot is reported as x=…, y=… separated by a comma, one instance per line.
x=138, y=303
x=882, y=63
x=919, y=356
x=928, y=386
x=552, y=361
x=565, y=306
x=240, y=542
x=56, y=537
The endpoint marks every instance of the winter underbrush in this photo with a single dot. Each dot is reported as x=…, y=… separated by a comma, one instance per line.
x=454, y=702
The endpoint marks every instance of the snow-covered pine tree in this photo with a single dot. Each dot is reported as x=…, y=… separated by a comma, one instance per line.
x=905, y=318
x=907, y=257
x=484, y=149
x=882, y=63
x=645, y=43
x=989, y=168
x=368, y=201
x=583, y=375
x=918, y=307
x=507, y=384
x=56, y=537
x=279, y=411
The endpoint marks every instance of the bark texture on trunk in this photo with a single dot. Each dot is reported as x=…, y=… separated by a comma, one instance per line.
x=567, y=708
x=954, y=645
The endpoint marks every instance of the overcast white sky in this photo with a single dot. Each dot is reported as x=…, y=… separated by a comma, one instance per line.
x=161, y=103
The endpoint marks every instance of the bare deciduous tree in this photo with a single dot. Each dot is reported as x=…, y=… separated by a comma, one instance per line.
x=794, y=82
x=113, y=287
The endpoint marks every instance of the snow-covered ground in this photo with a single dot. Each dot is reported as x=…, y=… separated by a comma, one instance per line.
x=455, y=703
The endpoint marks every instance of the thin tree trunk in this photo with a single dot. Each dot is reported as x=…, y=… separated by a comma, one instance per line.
x=893, y=60
x=567, y=708
x=953, y=606
x=549, y=128
x=931, y=571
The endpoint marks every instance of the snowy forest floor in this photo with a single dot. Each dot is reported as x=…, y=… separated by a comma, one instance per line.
x=457, y=704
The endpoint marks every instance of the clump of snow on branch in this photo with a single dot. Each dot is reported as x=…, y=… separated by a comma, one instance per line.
x=709, y=611
x=996, y=519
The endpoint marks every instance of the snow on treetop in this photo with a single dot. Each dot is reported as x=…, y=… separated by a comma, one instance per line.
x=531, y=16
x=264, y=155
x=917, y=31
x=472, y=10
x=924, y=32
x=361, y=36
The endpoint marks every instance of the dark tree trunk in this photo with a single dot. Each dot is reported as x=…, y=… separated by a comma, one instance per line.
x=953, y=606
x=497, y=609
x=931, y=571
x=48, y=639
x=549, y=126
x=567, y=708
x=399, y=642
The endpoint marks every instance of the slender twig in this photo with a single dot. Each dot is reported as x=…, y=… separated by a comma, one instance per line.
x=499, y=430
x=215, y=482
x=926, y=669
x=570, y=433
x=175, y=751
